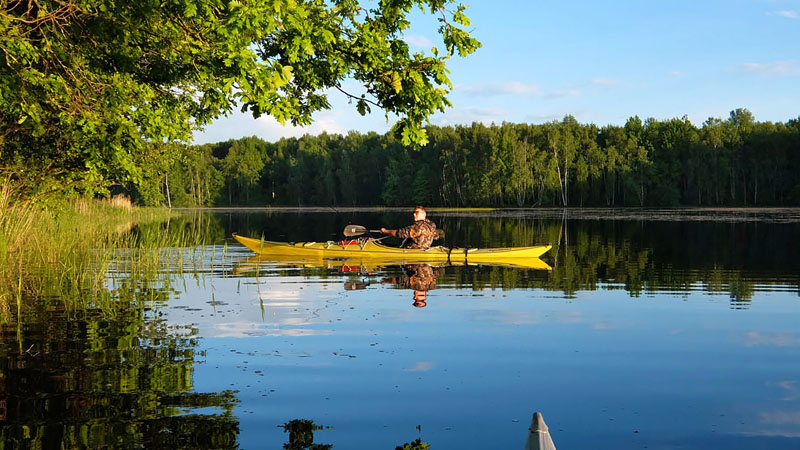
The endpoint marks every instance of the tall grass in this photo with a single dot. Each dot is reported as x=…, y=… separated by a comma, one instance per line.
x=15, y=222
x=63, y=252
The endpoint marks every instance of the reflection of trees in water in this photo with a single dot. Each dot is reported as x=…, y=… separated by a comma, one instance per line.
x=301, y=437
x=416, y=444
x=113, y=377
x=638, y=256
x=186, y=229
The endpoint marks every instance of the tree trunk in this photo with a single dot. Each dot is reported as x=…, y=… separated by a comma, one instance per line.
x=166, y=186
x=744, y=191
x=755, y=190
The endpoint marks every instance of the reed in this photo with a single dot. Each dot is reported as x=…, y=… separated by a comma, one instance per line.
x=15, y=221
x=64, y=252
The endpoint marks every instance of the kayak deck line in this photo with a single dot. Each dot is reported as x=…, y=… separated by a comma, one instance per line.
x=372, y=248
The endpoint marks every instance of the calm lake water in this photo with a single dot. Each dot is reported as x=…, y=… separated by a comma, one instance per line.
x=671, y=329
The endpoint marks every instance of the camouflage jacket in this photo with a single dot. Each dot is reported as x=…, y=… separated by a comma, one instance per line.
x=421, y=233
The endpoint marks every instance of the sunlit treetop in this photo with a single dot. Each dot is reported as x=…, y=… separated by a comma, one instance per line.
x=86, y=84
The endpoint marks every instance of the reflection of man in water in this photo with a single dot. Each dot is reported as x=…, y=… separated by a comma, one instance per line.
x=421, y=278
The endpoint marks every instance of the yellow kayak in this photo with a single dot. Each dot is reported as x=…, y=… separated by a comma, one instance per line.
x=372, y=249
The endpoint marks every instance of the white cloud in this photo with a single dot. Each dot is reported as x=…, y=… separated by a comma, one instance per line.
x=772, y=433
x=512, y=88
x=266, y=127
x=790, y=386
x=463, y=116
x=542, y=118
x=778, y=68
x=774, y=339
x=339, y=119
x=274, y=296
x=528, y=318
x=776, y=423
x=518, y=88
x=498, y=88
x=607, y=82
x=780, y=417
x=418, y=41
x=602, y=326
x=785, y=13
x=561, y=94
x=249, y=330
x=511, y=318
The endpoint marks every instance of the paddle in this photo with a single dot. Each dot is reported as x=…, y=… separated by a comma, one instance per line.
x=358, y=230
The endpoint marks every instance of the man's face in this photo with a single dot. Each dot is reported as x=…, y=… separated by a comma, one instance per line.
x=419, y=214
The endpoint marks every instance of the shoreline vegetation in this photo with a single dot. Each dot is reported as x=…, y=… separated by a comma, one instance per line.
x=65, y=250
x=682, y=213
x=736, y=162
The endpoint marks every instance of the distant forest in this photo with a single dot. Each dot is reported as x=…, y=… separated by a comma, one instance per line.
x=731, y=162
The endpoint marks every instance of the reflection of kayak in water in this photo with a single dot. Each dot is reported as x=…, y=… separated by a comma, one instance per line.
x=370, y=248
x=372, y=263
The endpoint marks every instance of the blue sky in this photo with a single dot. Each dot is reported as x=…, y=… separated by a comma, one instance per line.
x=601, y=61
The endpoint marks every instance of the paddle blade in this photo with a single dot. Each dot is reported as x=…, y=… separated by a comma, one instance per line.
x=354, y=230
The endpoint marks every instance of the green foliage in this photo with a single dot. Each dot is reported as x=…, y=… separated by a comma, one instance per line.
x=242, y=166
x=87, y=86
x=731, y=162
x=399, y=186
x=652, y=163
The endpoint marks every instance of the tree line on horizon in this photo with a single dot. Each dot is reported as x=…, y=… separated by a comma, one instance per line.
x=733, y=162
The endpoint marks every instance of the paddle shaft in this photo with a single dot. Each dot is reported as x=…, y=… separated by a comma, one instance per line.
x=358, y=230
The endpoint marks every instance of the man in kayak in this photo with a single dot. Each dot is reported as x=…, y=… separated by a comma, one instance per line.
x=421, y=233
